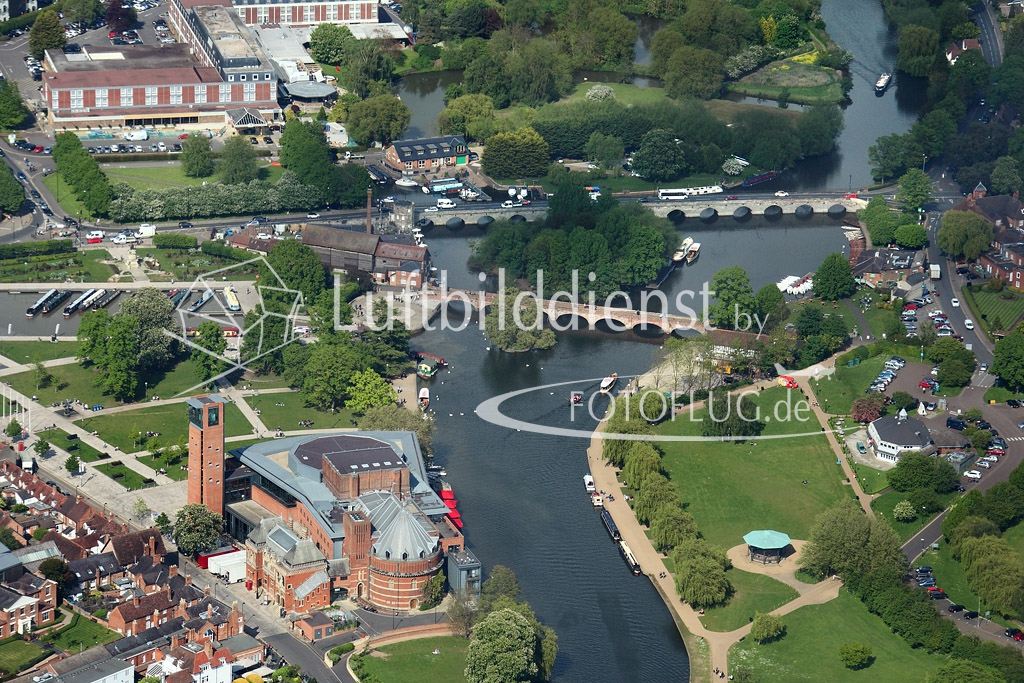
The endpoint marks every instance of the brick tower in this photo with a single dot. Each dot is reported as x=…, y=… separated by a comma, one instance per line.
x=206, y=451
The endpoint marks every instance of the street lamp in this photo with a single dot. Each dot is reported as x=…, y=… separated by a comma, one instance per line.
x=924, y=161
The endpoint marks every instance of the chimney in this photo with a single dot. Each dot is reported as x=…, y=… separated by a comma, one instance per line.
x=135, y=601
x=174, y=641
x=208, y=648
x=369, y=207
x=209, y=611
x=173, y=571
x=206, y=591
x=152, y=546
x=188, y=579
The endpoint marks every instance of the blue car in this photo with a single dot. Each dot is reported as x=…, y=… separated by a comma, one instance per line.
x=927, y=583
x=21, y=176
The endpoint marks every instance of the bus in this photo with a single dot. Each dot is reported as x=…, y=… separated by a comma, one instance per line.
x=682, y=193
x=231, y=299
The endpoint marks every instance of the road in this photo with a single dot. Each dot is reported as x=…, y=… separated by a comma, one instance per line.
x=991, y=37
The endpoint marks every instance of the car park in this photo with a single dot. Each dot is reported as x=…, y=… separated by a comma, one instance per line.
x=935, y=314
x=993, y=458
x=254, y=141
x=161, y=146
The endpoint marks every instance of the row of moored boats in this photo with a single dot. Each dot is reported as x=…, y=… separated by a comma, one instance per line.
x=613, y=529
x=89, y=300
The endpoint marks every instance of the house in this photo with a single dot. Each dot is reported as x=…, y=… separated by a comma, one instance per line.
x=427, y=155
x=211, y=619
x=94, y=571
x=139, y=614
x=399, y=263
x=886, y=267
x=130, y=548
x=143, y=648
x=98, y=667
x=32, y=556
x=246, y=650
x=70, y=550
x=193, y=663
x=343, y=250
x=315, y=626
x=1001, y=210
x=893, y=435
x=957, y=48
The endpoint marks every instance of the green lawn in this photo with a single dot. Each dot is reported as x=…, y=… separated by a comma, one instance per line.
x=626, y=93
x=269, y=381
x=80, y=266
x=157, y=177
x=175, y=469
x=871, y=480
x=187, y=265
x=987, y=305
x=734, y=488
x=171, y=421
x=81, y=632
x=96, y=271
x=884, y=504
x=17, y=655
x=29, y=352
x=130, y=479
x=836, y=392
x=1001, y=395
x=288, y=415
x=59, y=438
x=412, y=661
x=65, y=196
x=809, y=651
x=751, y=593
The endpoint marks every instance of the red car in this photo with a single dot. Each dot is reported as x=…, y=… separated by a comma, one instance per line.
x=38, y=149
x=910, y=307
x=850, y=195
x=924, y=384
x=731, y=197
x=183, y=136
x=94, y=240
x=995, y=451
x=113, y=34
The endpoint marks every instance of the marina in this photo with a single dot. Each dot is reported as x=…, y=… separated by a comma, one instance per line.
x=38, y=305
x=75, y=305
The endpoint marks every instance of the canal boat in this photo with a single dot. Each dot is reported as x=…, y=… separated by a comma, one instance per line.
x=763, y=178
x=54, y=302
x=106, y=299
x=428, y=364
x=203, y=299
x=179, y=296
x=692, y=253
x=630, y=559
x=609, y=524
x=683, y=249
x=73, y=307
x=231, y=299
x=406, y=182
x=424, y=398
x=588, y=483
x=883, y=82
x=608, y=382
x=38, y=305
x=91, y=301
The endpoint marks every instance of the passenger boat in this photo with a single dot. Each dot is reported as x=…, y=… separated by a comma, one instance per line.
x=38, y=305
x=179, y=296
x=597, y=500
x=428, y=364
x=231, y=299
x=105, y=300
x=683, y=250
x=883, y=82
x=54, y=302
x=763, y=178
x=406, y=182
x=588, y=483
x=610, y=525
x=630, y=559
x=424, y=398
x=73, y=307
x=436, y=470
x=203, y=299
x=608, y=382
x=693, y=252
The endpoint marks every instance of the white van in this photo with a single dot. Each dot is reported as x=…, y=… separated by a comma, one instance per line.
x=445, y=203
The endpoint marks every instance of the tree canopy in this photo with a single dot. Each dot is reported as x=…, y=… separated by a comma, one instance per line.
x=47, y=33
x=238, y=164
x=834, y=278
x=12, y=109
x=197, y=156
x=196, y=529
x=964, y=234
x=378, y=119
x=520, y=153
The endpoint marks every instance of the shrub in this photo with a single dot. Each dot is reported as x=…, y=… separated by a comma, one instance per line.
x=100, y=614
x=224, y=251
x=174, y=242
x=855, y=655
x=17, y=251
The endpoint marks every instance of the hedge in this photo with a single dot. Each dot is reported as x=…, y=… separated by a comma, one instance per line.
x=10, y=251
x=336, y=653
x=27, y=19
x=174, y=242
x=224, y=251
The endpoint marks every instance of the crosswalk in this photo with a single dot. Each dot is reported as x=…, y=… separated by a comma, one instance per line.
x=1014, y=438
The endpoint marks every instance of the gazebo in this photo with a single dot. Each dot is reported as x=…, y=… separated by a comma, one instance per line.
x=766, y=546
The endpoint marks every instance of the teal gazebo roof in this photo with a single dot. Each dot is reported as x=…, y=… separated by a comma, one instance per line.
x=767, y=539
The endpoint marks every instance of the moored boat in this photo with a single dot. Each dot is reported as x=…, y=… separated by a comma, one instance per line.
x=105, y=300
x=630, y=559
x=38, y=305
x=204, y=299
x=609, y=524
x=424, y=398
x=683, y=249
x=73, y=307
x=693, y=252
x=883, y=82
x=428, y=364
x=406, y=182
x=54, y=302
x=588, y=483
x=597, y=500
x=96, y=296
x=608, y=382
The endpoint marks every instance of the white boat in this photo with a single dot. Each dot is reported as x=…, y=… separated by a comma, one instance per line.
x=883, y=82
x=588, y=482
x=424, y=397
x=608, y=382
x=426, y=190
x=693, y=252
x=597, y=500
x=513, y=191
x=406, y=182
x=680, y=254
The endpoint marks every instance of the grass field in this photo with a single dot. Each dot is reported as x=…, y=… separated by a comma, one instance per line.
x=836, y=392
x=1001, y=395
x=65, y=196
x=809, y=651
x=80, y=266
x=174, y=469
x=96, y=271
x=988, y=305
x=82, y=632
x=29, y=352
x=169, y=176
x=288, y=415
x=871, y=480
x=59, y=438
x=727, y=110
x=626, y=93
x=733, y=488
x=751, y=593
x=17, y=655
x=884, y=504
x=123, y=429
x=412, y=661
x=130, y=479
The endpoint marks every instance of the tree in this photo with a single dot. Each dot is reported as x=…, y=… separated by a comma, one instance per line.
x=867, y=408
x=502, y=649
x=904, y=511
x=844, y=541
x=834, y=278
x=911, y=235
x=734, y=297
x=655, y=491
x=642, y=459
x=901, y=400
x=73, y=465
x=771, y=306
x=701, y=581
x=659, y=158
x=462, y=613
x=501, y=584
x=118, y=17
x=395, y=418
x=82, y=11
x=766, y=628
x=915, y=470
x=818, y=128
x=163, y=523
x=238, y=164
x=299, y=267
x=855, y=655
x=12, y=194
x=693, y=72
x=197, y=528
x=47, y=33
x=55, y=569
x=378, y=119
x=964, y=234
x=606, y=150
x=917, y=49
x=145, y=318
x=14, y=429
x=731, y=416
x=964, y=671
x=368, y=390
x=140, y=510
x=12, y=109
x=671, y=526
x=328, y=371
x=915, y=189
x=1006, y=176
x=41, y=447
x=1008, y=362
x=331, y=43
x=433, y=591
x=517, y=325
x=210, y=340
x=469, y=115
x=8, y=539
x=887, y=156
x=520, y=153
x=955, y=373
x=197, y=156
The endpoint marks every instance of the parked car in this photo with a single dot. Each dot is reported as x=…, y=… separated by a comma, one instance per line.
x=970, y=615
x=184, y=224
x=983, y=464
x=860, y=448
x=268, y=140
x=954, y=608
x=1013, y=403
x=938, y=594
x=973, y=474
x=313, y=215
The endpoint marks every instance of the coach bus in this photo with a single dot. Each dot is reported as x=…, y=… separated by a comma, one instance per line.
x=683, y=193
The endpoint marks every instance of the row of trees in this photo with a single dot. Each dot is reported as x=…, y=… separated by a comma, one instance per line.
x=238, y=164
x=82, y=173
x=305, y=152
x=887, y=227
